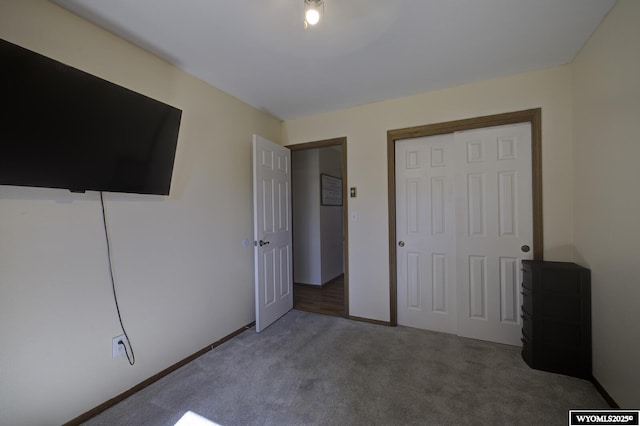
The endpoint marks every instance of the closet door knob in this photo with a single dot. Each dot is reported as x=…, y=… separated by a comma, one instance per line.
x=525, y=248
x=401, y=243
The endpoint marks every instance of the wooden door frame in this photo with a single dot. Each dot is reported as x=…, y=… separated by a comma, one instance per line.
x=328, y=143
x=533, y=116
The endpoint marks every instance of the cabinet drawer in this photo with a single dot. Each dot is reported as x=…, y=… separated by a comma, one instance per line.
x=527, y=278
x=527, y=326
x=564, y=361
x=527, y=301
x=561, y=281
x=561, y=334
x=527, y=351
x=559, y=307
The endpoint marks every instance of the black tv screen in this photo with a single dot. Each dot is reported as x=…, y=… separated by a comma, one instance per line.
x=63, y=128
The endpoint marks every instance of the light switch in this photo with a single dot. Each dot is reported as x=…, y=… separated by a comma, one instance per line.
x=352, y=192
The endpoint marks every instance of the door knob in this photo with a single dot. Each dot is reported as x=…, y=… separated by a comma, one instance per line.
x=264, y=243
x=525, y=248
x=401, y=243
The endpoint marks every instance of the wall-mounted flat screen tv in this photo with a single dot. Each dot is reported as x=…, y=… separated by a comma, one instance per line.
x=64, y=128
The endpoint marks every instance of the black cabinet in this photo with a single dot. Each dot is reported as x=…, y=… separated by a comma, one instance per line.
x=556, y=317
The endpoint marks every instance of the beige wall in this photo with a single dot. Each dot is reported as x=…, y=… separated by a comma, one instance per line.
x=365, y=128
x=607, y=194
x=183, y=277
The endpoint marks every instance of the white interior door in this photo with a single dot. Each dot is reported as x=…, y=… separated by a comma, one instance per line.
x=426, y=256
x=272, y=231
x=464, y=213
x=494, y=221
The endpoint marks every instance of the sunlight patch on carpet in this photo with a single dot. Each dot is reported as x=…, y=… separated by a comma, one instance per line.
x=192, y=419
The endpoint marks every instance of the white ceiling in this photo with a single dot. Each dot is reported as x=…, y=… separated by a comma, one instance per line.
x=362, y=51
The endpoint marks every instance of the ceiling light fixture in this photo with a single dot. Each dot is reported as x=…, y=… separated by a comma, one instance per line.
x=313, y=11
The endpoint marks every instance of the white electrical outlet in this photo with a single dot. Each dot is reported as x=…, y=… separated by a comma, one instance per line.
x=117, y=348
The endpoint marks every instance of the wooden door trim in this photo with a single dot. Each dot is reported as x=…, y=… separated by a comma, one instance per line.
x=327, y=143
x=533, y=116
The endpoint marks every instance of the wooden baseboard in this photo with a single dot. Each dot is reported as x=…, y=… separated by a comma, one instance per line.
x=311, y=285
x=331, y=281
x=371, y=321
x=137, y=388
x=602, y=391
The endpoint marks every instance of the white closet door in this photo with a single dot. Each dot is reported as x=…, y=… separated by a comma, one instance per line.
x=494, y=225
x=464, y=222
x=425, y=229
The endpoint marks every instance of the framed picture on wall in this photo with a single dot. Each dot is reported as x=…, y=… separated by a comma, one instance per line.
x=330, y=190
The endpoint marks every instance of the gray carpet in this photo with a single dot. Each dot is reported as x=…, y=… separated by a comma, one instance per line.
x=310, y=369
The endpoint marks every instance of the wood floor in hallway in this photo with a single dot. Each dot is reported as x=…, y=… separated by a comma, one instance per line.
x=327, y=299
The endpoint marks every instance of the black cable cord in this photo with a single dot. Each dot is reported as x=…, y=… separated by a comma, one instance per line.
x=132, y=359
x=127, y=352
